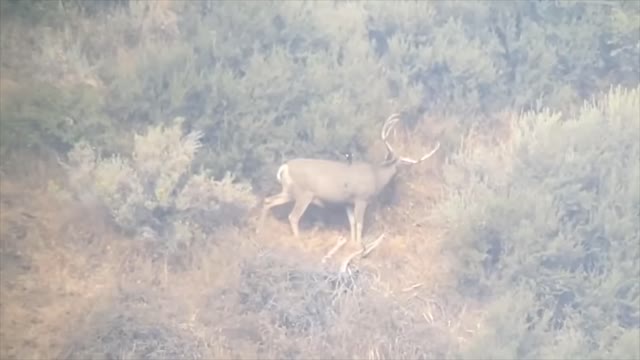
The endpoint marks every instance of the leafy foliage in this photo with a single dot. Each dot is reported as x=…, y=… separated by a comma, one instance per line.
x=549, y=226
x=153, y=192
x=315, y=77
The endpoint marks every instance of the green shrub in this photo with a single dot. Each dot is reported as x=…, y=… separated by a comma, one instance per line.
x=43, y=116
x=552, y=217
x=265, y=82
x=153, y=192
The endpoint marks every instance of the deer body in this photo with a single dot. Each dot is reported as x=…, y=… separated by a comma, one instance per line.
x=317, y=181
x=337, y=182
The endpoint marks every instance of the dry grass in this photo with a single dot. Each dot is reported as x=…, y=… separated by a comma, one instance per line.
x=56, y=270
x=73, y=287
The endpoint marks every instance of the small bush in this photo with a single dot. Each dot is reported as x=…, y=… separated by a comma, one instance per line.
x=296, y=309
x=130, y=329
x=153, y=191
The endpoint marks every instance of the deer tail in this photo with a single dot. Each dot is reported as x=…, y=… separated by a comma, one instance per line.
x=281, y=170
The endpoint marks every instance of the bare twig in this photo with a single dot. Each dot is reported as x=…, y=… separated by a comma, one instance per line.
x=364, y=252
x=341, y=241
x=412, y=287
x=429, y=318
x=373, y=245
x=347, y=260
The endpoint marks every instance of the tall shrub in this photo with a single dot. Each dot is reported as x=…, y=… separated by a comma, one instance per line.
x=545, y=228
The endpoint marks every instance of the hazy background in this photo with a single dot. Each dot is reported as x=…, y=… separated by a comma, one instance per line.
x=138, y=138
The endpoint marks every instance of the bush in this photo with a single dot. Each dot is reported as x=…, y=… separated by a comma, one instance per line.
x=315, y=77
x=298, y=309
x=546, y=229
x=154, y=191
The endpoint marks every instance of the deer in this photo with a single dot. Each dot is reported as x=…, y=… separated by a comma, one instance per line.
x=353, y=184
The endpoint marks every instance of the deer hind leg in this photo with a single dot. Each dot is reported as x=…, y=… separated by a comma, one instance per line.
x=270, y=202
x=302, y=202
x=359, y=209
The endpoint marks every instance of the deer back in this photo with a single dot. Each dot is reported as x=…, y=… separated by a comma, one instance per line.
x=338, y=182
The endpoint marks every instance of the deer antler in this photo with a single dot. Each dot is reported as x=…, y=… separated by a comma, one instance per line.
x=388, y=125
x=423, y=158
x=384, y=134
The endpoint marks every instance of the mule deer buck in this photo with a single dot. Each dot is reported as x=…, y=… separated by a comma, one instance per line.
x=354, y=184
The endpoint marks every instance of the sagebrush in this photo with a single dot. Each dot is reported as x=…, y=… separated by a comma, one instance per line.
x=155, y=189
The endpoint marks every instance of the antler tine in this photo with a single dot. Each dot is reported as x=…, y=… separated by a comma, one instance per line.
x=386, y=129
x=423, y=158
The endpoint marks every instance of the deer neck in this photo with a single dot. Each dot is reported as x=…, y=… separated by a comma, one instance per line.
x=386, y=171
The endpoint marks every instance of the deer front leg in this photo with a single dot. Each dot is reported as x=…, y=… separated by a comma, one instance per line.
x=359, y=209
x=352, y=222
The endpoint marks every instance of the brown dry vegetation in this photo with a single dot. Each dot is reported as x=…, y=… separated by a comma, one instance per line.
x=73, y=287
